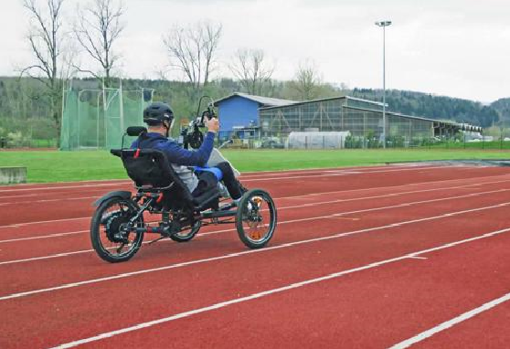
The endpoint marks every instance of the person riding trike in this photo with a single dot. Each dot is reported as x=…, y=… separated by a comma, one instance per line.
x=185, y=187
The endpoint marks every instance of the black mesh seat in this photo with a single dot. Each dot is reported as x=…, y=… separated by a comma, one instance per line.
x=151, y=172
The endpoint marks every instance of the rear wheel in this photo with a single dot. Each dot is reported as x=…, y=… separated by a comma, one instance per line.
x=256, y=218
x=110, y=238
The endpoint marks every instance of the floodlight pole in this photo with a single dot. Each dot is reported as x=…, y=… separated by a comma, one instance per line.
x=384, y=24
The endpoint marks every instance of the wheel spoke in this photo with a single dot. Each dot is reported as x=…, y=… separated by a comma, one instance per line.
x=119, y=249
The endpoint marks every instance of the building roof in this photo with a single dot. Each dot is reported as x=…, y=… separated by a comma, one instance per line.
x=348, y=98
x=267, y=103
x=441, y=122
x=379, y=104
x=263, y=101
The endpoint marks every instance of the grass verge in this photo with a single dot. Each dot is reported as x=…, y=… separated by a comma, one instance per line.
x=56, y=166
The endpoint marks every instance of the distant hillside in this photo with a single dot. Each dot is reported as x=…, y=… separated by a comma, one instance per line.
x=436, y=107
x=503, y=107
x=25, y=106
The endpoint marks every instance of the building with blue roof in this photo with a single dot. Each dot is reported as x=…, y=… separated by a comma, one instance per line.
x=239, y=113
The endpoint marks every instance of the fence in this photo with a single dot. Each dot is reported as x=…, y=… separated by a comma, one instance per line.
x=13, y=143
x=321, y=140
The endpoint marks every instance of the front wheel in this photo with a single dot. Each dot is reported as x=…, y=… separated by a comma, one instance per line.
x=111, y=239
x=256, y=218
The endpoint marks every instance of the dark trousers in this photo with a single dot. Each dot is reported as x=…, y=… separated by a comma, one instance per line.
x=208, y=180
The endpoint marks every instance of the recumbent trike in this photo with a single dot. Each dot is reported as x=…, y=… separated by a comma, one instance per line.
x=121, y=218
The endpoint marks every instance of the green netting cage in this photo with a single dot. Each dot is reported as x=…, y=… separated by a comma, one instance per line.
x=97, y=119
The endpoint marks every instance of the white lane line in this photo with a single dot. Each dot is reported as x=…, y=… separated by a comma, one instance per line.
x=89, y=183
x=122, y=183
x=428, y=184
x=18, y=225
x=44, y=236
x=248, y=252
x=259, y=174
x=340, y=214
x=323, y=174
x=297, y=206
x=33, y=259
x=89, y=193
x=106, y=182
x=331, y=173
x=49, y=200
x=17, y=196
x=96, y=197
x=450, y=323
x=64, y=187
x=299, y=174
x=272, y=292
x=337, y=174
x=325, y=169
x=51, y=184
x=11, y=203
x=312, y=204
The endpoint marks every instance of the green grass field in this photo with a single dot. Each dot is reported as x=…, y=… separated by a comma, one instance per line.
x=472, y=145
x=55, y=166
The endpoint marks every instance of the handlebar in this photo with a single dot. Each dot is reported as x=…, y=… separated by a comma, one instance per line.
x=192, y=135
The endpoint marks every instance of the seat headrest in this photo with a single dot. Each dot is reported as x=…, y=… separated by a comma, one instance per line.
x=134, y=131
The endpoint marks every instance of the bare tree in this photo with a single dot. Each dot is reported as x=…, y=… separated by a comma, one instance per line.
x=192, y=50
x=45, y=37
x=250, y=67
x=307, y=81
x=97, y=29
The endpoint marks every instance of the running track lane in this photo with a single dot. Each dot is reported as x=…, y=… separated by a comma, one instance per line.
x=66, y=186
x=74, y=313
x=65, y=225
x=325, y=181
x=17, y=279
x=57, y=224
x=488, y=329
x=373, y=308
x=436, y=228
x=289, y=211
x=26, y=245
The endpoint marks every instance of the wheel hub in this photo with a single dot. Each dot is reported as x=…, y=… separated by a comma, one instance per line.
x=116, y=227
x=252, y=210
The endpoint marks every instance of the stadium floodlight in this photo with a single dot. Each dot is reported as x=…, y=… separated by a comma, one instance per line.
x=384, y=24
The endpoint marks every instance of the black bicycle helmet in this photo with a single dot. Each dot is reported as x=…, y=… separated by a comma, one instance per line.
x=156, y=113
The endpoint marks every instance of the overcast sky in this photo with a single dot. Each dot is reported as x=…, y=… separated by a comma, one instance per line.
x=458, y=48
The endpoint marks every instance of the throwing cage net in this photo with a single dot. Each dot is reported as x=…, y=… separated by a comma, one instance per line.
x=97, y=119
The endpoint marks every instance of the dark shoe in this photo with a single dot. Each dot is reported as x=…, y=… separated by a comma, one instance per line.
x=242, y=188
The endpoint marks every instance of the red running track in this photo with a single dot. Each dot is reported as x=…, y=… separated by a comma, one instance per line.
x=363, y=257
